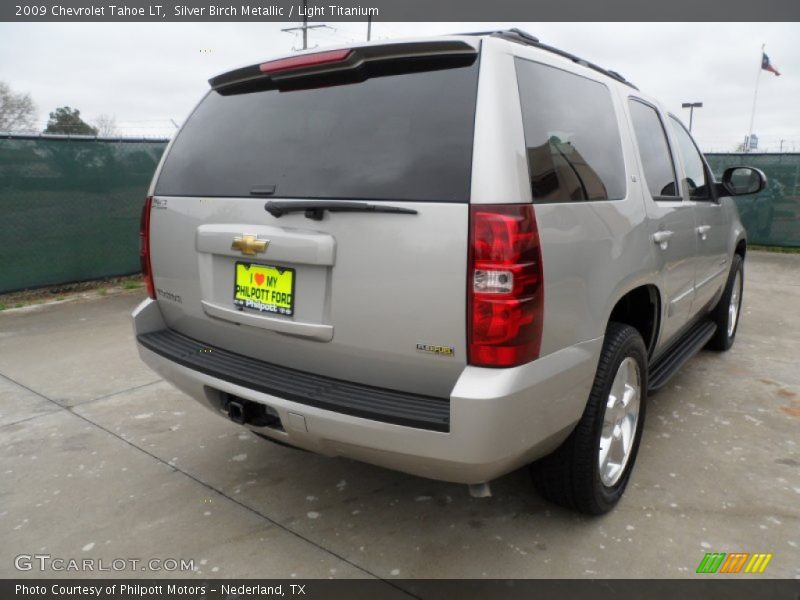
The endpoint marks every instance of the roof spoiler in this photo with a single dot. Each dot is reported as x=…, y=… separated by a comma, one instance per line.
x=332, y=67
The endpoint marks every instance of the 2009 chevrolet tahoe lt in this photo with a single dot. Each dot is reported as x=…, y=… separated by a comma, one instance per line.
x=452, y=256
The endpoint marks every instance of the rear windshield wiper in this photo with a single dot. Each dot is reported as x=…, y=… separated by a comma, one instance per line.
x=315, y=210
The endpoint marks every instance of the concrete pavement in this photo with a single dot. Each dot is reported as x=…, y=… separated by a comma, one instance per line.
x=100, y=459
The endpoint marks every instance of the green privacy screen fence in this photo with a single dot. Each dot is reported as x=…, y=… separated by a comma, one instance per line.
x=70, y=206
x=772, y=217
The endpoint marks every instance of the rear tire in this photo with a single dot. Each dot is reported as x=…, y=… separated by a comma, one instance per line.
x=581, y=474
x=727, y=314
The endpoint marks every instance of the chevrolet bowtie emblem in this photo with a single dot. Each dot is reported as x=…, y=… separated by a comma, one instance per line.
x=249, y=244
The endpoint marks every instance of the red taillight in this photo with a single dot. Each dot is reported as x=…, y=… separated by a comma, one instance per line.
x=506, y=288
x=144, y=247
x=305, y=60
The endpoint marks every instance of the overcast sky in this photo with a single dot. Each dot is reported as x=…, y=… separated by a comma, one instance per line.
x=145, y=74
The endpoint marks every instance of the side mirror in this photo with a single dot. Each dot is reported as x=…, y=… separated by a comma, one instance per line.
x=740, y=181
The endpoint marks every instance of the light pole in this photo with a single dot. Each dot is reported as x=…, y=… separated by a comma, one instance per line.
x=691, y=106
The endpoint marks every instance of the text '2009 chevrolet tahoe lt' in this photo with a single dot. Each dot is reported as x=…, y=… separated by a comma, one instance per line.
x=451, y=256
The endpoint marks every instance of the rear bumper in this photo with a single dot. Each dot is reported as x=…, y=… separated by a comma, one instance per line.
x=377, y=404
x=500, y=419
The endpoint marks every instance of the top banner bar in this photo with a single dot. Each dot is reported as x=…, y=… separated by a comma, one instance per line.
x=397, y=10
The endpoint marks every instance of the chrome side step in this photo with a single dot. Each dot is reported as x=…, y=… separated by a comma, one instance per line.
x=689, y=344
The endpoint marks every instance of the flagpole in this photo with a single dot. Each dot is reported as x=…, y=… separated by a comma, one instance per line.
x=755, y=98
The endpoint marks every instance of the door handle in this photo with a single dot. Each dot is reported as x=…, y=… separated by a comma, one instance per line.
x=702, y=231
x=662, y=237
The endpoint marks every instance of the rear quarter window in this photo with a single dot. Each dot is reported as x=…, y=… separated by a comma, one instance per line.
x=398, y=137
x=572, y=138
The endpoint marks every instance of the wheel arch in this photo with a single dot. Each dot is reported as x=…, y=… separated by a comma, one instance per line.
x=640, y=307
x=741, y=247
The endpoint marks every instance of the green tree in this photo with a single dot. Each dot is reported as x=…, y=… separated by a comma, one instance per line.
x=68, y=120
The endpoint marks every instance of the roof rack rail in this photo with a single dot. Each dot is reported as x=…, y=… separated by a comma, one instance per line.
x=523, y=37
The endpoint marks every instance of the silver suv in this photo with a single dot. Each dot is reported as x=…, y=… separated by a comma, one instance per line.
x=452, y=256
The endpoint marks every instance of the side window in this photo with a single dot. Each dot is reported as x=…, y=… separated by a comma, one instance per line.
x=696, y=178
x=571, y=136
x=659, y=172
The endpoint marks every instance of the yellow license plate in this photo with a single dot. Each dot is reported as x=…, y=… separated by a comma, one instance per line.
x=264, y=288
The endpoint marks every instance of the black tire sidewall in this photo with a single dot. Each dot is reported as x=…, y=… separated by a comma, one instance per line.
x=570, y=476
x=737, y=267
x=721, y=340
x=632, y=346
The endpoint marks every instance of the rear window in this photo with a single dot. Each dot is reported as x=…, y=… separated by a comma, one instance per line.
x=571, y=134
x=398, y=137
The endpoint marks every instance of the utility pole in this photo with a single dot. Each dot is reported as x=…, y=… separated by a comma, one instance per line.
x=304, y=27
x=782, y=146
x=369, y=27
x=691, y=106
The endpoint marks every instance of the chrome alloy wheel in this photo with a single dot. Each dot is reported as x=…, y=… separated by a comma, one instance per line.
x=733, y=307
x=620, y=421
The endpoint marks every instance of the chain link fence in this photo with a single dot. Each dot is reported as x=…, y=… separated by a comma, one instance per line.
x=772, y=218
x=70, y=207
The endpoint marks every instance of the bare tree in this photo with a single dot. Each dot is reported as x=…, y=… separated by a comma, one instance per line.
x=17, y=110
x=106, y=126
